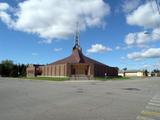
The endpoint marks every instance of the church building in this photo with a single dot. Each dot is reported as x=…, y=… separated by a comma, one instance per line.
x=77, y=64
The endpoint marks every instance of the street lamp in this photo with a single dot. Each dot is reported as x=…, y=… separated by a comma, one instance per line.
x=18, y=69
x=124, y=72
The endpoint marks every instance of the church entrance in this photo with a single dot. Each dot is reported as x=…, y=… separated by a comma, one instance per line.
x=80, y=69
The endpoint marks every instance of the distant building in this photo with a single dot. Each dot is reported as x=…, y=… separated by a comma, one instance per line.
x=34, y=70
x=77, y=64
x=132, y=73
x=155, y=74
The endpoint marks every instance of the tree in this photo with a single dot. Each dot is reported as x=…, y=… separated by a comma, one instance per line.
x=0, y=69
x=9, y=69
x=156, y=72
x=124, y=71
x=14, y=71
x=22, y=70
x=146, y=72
x=6, y=68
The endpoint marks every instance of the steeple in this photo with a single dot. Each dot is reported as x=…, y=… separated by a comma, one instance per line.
x=77, y=38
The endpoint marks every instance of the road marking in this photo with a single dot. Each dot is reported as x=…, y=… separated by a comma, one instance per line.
x=156, y=98
x=152, y=110
x=149, y=113
x=144, y=118
x=155, y=101
x=154, y=104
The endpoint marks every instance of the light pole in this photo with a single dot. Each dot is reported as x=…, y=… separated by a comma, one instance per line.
x=124, y=72
x=18, y=70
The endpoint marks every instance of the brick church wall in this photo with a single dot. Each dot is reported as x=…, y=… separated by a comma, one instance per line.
x=54, y=70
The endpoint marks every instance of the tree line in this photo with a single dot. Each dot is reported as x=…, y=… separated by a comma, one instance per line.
x=9, y=69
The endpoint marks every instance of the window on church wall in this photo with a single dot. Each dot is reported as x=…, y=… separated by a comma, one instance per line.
x=64, y=69
x=52, y=70
x=59, y=70
x=43, y=72
x=47, y=70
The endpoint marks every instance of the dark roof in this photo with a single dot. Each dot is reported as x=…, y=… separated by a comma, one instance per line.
x=35, y=65
x=131, y=71
x=77, y=57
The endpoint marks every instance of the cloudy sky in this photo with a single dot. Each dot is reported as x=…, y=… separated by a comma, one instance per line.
x=123, y=33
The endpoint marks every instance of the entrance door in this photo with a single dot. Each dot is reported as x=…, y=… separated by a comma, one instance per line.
x=79, y=69
x=73, y=71
x=86, y=72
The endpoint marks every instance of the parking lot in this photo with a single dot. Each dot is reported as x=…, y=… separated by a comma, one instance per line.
x=79, y=100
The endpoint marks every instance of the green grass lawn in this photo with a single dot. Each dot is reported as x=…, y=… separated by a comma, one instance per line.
x=67, y=78
x=48, y=78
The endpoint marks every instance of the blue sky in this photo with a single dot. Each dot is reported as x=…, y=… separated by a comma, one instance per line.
x=112, y=31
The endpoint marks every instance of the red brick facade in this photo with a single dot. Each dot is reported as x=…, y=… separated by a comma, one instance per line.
x=76, y=64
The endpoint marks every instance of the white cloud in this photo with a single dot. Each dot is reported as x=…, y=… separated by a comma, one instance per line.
x=3, y=15
x=130, y=38
x=4, y=6
x=141, y=38
x=144, y=16
x=156, y=34
x=57, y=49
x=138, y=38
x=98, y=48
x=55, y=19
x=130, y=5
x=150, y=53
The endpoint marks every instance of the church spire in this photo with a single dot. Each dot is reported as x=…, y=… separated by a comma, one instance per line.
x=77, y=38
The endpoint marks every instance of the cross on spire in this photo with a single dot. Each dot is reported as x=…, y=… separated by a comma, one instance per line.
x=77, y=38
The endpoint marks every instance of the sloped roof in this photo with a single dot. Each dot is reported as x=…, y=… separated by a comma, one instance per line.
x=131, y=71
x=77, y=57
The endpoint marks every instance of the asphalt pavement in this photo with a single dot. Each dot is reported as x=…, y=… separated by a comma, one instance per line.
x=138, y=98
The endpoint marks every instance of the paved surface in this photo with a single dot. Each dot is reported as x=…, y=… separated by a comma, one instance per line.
x=94, y=100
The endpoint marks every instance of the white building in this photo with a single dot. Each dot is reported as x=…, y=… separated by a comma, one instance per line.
x=132, y=73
